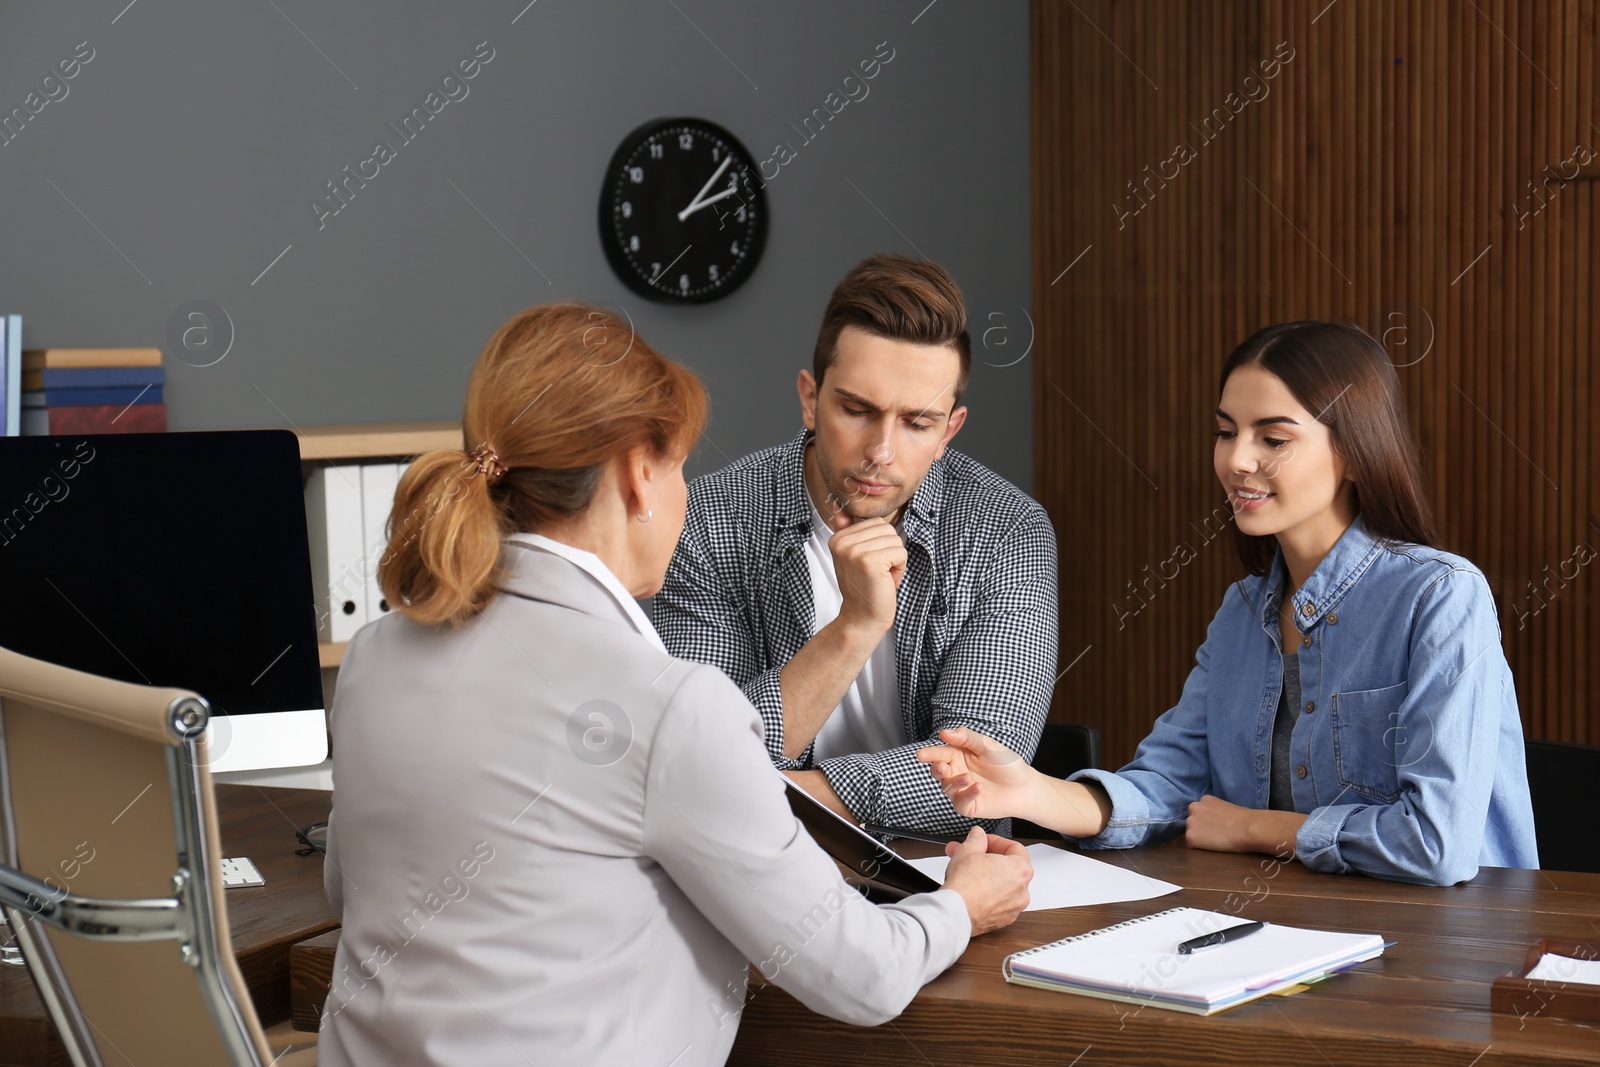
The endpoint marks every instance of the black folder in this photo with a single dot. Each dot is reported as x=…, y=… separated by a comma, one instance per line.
x=869, y=864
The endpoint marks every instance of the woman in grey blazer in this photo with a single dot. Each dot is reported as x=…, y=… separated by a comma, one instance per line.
x=552, y=841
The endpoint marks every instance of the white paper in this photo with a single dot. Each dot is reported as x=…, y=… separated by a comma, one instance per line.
x=1063, y=879
x=1554, y=968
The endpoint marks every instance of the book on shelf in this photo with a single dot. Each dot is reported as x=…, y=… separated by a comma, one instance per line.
x=95, y=418
x=41, y=358
x=10, y=375
x=117, y=394
x=90, y=377
x=92, y=390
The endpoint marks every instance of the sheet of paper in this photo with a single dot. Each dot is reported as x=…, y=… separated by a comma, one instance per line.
x=1554, y=968
x=1063, y=879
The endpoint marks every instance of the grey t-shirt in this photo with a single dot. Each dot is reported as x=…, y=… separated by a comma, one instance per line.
x=1282, y=796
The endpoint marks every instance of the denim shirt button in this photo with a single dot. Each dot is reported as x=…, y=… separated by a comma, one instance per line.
x=1307, y=610
x=1333, y=617
x=1306, y=640
x=1300, y=771
x=1311, y=705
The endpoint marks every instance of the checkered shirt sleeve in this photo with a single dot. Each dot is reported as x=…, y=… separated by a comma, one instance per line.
x=701, y=616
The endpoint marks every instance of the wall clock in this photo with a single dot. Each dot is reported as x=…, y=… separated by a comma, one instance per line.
x=683, y=218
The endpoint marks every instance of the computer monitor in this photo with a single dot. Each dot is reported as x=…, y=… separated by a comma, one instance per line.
x=171, y=559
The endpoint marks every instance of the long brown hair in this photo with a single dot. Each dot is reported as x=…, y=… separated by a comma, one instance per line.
x=1342, y=374
x=558, y=392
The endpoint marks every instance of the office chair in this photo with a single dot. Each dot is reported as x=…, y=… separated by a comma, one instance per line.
x=1064, y=747
x=109, y=871
x=1561, y=778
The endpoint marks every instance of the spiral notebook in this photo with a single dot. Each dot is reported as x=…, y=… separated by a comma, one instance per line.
x=1137, y=962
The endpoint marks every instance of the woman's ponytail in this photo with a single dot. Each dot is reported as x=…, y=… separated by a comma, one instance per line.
x=550, y=402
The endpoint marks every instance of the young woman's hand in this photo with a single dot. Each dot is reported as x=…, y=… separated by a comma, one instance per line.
x=1219, y=826
x=986, y=780
x=983, y=778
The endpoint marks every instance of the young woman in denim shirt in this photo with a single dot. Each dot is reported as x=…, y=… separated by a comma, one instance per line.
x=1351, y=705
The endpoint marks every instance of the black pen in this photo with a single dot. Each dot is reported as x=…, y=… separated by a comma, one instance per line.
x=1221, y=937
x=913, y=835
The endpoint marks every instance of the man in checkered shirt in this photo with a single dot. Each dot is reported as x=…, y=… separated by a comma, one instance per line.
x=864, y=584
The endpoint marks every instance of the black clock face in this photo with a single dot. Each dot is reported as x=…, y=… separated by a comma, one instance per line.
x=683, y=218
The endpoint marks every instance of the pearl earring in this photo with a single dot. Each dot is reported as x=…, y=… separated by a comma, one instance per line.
x=646, y=515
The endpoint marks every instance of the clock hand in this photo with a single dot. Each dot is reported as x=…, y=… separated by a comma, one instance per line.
x=692, y=208
x=695, y=204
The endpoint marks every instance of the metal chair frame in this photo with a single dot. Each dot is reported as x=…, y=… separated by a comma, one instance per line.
x=189, y=916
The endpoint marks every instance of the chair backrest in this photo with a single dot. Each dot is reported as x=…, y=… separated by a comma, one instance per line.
x=1561, y=781
x=1064, y=747
x=110, y=869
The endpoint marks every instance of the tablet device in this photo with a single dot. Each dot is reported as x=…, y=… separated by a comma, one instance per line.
x=862, y=855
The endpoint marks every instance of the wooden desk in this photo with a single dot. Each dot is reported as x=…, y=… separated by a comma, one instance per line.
x=1425, y=1001
x=258, y=824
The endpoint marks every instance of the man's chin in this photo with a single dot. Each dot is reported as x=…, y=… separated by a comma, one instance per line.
x=872, y=507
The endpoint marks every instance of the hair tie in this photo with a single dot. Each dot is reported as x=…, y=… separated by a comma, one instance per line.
x=486, y=461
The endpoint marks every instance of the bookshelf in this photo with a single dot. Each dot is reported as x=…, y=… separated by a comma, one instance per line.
x=399, y=440
x=391, y=440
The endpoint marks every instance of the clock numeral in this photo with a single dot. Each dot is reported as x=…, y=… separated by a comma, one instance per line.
x=741, y=214
x=683, y=282
x=636, y=174
x=627, y=209
x=633, y=243
x=735, y=248
x=686, y=141
x=716, y=155
x=655, y=271
x=713, y=272
x=656, y=150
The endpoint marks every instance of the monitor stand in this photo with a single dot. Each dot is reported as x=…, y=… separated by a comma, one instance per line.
x=316, y=776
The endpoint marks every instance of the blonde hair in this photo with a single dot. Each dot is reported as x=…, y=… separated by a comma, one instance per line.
x=559, y=391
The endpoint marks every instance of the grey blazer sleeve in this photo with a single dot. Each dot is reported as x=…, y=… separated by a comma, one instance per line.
x=717, y=821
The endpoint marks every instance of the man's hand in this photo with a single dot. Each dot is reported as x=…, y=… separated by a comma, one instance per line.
x=869, y=559
x=1218, y=826
x=992, y=874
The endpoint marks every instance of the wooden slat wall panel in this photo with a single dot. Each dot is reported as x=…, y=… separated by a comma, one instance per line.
x=1401, y=142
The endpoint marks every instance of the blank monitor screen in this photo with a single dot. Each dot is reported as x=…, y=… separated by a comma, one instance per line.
x=176, y=559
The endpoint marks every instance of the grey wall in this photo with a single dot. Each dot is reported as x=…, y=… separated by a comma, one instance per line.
x=183, y=156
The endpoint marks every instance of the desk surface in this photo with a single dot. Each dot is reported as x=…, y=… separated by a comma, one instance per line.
x=1425, y=1001
x=265, y=921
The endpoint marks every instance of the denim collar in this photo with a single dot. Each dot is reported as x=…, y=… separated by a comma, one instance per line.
x=1339, y=570
x=918, y=524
